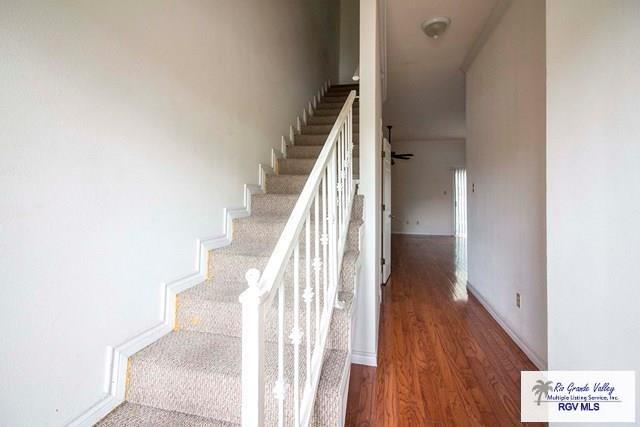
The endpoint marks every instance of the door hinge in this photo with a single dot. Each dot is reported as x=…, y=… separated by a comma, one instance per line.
x=383, y=261
x=384, y=207
x=384, y=154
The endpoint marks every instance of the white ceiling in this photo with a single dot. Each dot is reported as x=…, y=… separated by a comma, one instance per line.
x=425, y=97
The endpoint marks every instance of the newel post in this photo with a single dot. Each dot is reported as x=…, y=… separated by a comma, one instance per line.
x=252, y=352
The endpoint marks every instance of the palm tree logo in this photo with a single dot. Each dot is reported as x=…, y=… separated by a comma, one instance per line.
x=541, y=388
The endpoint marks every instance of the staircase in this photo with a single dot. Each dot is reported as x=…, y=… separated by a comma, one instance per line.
x=193, y=375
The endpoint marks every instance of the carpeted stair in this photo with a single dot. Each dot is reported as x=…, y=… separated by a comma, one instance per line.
x=192, y=376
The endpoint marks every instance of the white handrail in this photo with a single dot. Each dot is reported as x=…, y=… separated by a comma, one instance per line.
x=331, y=185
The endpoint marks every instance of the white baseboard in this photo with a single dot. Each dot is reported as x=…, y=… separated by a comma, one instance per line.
x=118, y=357
x=364, y=358
x=538, y=361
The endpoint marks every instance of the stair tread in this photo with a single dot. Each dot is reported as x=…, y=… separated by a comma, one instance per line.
x=133, y=415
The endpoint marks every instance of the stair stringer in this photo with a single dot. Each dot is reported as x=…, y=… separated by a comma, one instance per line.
x=346, y=369
x=117, y=357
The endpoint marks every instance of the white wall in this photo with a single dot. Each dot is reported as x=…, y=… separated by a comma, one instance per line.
x=125, y=129
x=365, y=341
x=349, y=39
x=506, y=162
x=593, y=181
x=422, y=196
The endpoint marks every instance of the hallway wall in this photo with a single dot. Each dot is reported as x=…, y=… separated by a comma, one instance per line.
x=593, y=177
x=365, y=336
x=349, y=39
x=125, y=130
x=506, y=164
x=422, y=187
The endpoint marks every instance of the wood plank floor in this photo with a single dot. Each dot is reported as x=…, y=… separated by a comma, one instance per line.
x=442, y=359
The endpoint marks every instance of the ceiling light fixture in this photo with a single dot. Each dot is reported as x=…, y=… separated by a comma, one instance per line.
x=435, y=27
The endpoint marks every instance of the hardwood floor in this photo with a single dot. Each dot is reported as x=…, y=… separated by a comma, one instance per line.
x=442, y=359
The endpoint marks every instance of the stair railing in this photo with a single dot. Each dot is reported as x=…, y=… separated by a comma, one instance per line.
x=280, y=380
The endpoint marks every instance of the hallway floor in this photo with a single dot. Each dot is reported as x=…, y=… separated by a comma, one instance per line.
x=442, y=359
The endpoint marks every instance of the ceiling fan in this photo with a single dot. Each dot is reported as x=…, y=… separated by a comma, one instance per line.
x=399, y=156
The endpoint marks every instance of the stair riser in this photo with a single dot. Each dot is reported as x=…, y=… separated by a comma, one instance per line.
x=295, y=166
x=335, y=106
x=285, y=184
x=335, y=98
x=304, y=166
x=186, y=391
x=208, y=394
x=340, y=92
x=334, y=111
x=327, y=120
x=311, y=151
x=225, y=267
x=278, y=204
x=323, y=129
x=225, y=318
x=273, y=204
x=246, y=230
x=319, y=139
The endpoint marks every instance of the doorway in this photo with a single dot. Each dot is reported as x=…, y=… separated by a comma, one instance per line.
x=386, y=211
x=460, y=202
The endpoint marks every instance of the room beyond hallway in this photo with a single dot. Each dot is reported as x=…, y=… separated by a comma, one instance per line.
x=442, y=359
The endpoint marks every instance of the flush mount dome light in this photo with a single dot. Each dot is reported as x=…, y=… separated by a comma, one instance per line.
x=435, y=27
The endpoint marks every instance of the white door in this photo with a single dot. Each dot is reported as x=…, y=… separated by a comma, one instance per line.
x=386, y=211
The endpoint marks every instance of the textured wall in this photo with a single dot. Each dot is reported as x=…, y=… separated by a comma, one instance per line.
x=593, y=177
x=125, y=129
x=506, y=162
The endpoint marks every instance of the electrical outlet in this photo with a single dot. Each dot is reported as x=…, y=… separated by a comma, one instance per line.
x=518, y=299
x=417, y=222
x=407, y=222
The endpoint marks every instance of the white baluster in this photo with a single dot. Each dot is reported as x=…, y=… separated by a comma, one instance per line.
x=308, y=294
x=339, y=183
x=333, y=211
x=325, y=238
x=343, y=187
x=283, y=146
x=317, y=262
x=296, y=334
x=351, y=144
x=252, y=353
x=280, y=388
